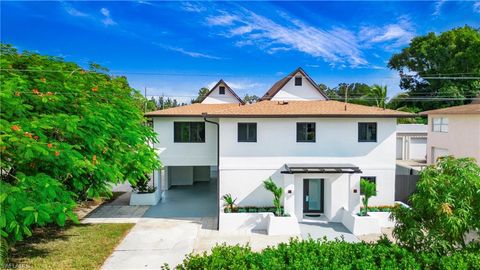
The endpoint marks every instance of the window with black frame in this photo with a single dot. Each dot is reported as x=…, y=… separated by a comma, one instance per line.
x=221, y=90
x=298, y=81
x=305, y=132
x=189, y=132
x=367, y=132
x=247, y=132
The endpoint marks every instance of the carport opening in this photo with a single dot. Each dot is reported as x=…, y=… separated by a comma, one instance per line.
x=189, y=191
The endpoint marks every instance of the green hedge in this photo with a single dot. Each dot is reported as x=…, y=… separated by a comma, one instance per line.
x=322, y=254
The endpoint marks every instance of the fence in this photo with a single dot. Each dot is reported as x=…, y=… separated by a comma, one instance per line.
x=405, y=185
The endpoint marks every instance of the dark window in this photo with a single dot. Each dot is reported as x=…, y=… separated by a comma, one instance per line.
x=221, y=89
x=298, y=81
x=305, y=132
x=189, y=132
x=367, y=132
x=371, y=179
x=247, y=132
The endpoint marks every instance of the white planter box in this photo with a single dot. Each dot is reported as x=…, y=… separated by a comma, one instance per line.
x=282, y=225
x=383, y=219
x=229, y=222
x=145, y=198
x=361, y=225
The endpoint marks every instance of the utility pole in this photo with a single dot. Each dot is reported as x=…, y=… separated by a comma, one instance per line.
x=146, y=100
x=346, y=97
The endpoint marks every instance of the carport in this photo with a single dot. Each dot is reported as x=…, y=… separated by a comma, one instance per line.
x=188, y=192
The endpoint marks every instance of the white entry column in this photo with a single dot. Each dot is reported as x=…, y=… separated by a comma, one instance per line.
x=288, y=196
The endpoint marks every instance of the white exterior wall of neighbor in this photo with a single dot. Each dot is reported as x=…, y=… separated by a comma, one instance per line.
x=215, y=98
x=304, y=92
x=244, y=166
x=461, y=140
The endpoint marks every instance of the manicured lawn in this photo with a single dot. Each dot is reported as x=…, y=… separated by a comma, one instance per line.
x=74, y=247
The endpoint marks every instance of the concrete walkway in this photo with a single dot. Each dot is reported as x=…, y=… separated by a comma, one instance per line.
x=329, y=230
x=154, y=242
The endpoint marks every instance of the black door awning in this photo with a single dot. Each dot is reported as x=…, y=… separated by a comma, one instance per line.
x=321, y=168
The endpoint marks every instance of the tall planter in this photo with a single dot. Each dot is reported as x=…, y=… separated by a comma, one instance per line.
x=282, y=225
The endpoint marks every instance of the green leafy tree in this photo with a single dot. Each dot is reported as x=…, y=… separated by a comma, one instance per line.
x=66, y=134
x=249, y=99
x=277, y=195
x=379, y=94
x=433, y=59
x=368, y=190
x=354, y=93
x=202, y=93
x=445, y=206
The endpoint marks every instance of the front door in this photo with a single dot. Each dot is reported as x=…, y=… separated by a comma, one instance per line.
x=313, y=195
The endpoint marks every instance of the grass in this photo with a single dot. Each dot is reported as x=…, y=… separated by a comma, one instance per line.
x=73, y=247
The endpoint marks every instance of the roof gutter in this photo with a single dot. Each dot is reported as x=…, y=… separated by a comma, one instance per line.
x=218, y=165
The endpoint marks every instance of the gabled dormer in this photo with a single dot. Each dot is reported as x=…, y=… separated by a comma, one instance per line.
x=296, y=86
x=221, y=93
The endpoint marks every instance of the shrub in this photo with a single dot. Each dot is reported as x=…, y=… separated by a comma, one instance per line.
x=142, y=185
x=323, y=254
x=368, y=190
x=445, y=206
x=229, y=203
x=277, y=195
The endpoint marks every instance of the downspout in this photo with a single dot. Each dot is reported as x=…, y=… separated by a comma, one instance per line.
x=218, y=165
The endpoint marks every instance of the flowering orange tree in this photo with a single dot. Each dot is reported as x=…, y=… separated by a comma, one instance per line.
x=66, y=134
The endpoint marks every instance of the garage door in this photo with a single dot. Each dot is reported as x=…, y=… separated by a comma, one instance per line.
x=418, y=148
x=399, y=148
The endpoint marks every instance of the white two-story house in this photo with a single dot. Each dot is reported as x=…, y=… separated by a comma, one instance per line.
x=316, y=149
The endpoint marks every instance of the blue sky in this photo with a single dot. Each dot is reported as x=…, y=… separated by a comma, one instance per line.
x=175, y=48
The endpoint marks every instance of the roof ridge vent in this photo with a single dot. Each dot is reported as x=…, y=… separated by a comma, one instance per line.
x=283, y=102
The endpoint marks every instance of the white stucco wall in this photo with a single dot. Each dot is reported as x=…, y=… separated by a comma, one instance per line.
x=185, y=154
x=215, y=98
x=244, y=166
x=304, y=92
x=461, y=140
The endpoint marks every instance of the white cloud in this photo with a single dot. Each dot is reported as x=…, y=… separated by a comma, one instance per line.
x=107, y=20
x=186, y=52
x=335, y=45
x=438, y=7
x=392, y=35
x=72, y=11
x=192, y=7
x=476, y=7
x=225, y=19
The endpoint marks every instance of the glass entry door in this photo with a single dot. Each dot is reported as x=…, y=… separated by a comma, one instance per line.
x=313, y=195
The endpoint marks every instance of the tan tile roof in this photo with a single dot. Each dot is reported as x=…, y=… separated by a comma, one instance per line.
x=320, y=108
x=192, y=110
x=463, y=109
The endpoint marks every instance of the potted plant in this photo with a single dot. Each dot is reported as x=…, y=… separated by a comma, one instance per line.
x=144, y=193
x=279, y=223
x=229, y=203
x=368, y=189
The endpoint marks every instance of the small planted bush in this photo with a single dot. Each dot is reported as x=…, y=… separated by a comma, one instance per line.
x=229, y=202
x=142, y=186
x=368, y=190
x=277, y=195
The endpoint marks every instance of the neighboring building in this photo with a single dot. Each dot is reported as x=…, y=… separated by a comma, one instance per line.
x=316, y=149
x=454, y=131
x=411, y=142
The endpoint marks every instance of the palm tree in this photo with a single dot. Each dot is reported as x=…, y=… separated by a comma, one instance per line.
x=379, y=94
